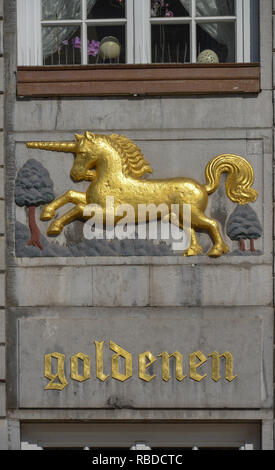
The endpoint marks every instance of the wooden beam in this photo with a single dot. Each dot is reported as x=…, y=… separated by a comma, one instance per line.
x=134, y=79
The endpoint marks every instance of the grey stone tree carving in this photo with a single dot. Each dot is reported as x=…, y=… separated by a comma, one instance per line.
x=33, y=187
x=243, y=224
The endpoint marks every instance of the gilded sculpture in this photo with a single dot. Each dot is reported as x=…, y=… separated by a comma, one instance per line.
x=115, y=166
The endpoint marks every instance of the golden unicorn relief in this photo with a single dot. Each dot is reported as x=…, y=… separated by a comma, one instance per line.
x=115, y=166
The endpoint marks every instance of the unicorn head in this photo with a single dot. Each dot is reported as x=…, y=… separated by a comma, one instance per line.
x=83, y=147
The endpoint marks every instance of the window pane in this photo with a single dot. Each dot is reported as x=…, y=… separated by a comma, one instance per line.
x=106, y=44
x=254, y=31
x=170, y=43
x=215, y=7
x=61, y=10
x=97, y=9
x=61, y=45
x=170, y=8
x=218, y=38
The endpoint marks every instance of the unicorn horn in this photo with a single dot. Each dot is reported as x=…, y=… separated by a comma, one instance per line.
x=53, y=146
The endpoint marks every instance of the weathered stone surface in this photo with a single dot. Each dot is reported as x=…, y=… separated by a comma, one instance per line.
x=126, y=286
x=1, y=148
x=3, y=434
x=1, y=111
x=206, y=285
x=53, y=286
x=2, y=363
x=2, y=290
x=2, y=218
x=2, y=184
x=158, y=330
x=2, y=399
x=2, y=252
x=171, y=113
x=254, y=147
x=14, y=434
x=2, y=327
x=1, y=74
x=1, y=37
x=211, y=285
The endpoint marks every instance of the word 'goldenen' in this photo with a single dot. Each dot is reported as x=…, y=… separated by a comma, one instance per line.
x=80, y=366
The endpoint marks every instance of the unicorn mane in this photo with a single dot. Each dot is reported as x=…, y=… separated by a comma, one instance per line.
x=133, y=161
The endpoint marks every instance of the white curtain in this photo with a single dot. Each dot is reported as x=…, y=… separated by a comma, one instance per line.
x=222, y=32
x=214, y=7
x=60, y=9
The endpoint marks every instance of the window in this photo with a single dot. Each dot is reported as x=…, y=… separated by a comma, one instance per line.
x=75, y=32
x=140, y=436
x=137, y=47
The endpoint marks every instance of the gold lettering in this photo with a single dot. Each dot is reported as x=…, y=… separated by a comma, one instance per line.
x=193, y=365
x=60, y=374
x=99, y=362
x=166, y=366
x=81, y=366
x=228, y=366
x=143, y=365
x=86, y=367
x=116, y=374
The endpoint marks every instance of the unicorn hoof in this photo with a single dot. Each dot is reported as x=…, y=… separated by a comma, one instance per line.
x=54, y=229
x=195, y=251
x=218, y=251
x=47, y=214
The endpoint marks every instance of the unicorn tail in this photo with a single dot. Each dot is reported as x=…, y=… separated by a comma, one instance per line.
x=239, y=180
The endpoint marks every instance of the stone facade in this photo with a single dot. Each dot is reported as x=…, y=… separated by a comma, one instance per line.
x=3, y=412
x=158, y=303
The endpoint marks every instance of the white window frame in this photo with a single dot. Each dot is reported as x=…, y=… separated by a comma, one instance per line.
x=137, y=446
x=138, y=23
x=135, y=436
x=29, y=27
x=241, y=18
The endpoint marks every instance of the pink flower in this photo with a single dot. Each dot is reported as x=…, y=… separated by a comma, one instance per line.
x=66, y=42
x=168, y=12
x=158, y=6
x=76, y=42
x=93, y=47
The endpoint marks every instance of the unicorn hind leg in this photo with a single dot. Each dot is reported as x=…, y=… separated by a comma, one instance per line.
x=195, y=248
x=200, y=221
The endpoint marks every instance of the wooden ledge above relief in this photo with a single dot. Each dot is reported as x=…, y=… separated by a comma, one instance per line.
x=151, y=79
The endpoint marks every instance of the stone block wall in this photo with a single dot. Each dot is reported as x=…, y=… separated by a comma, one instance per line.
x=3, y=413
x=273, y=49
x=52, y=294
